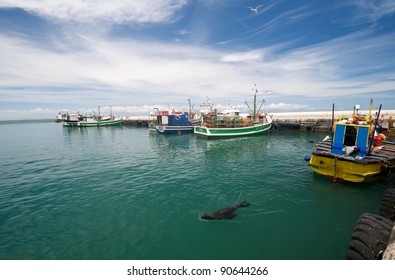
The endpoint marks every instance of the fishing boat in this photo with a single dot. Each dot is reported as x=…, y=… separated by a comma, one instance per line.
x=230, y=123
x=62, y=116
x=355, y=151
x=94, y=121
x=70, y=119
x=172, y=121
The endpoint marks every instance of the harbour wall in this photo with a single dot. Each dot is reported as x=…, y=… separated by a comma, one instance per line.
x=316, y=121
x=136, y=121
x=308, y=121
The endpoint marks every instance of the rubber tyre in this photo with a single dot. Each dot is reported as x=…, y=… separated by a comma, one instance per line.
x=387, y=206
x=370, y=237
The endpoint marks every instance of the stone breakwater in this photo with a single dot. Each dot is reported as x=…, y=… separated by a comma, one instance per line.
x=308, y=121
x=317, y=121
x=136, y=121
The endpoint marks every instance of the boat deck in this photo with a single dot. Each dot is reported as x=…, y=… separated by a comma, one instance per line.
x=223, y=123
x=386, y=153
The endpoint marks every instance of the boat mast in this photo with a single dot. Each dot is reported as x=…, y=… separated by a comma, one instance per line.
x=255, y=90
x=255, y=93
x=333, y=121
x=190, y=109
x=248, y=106
x=260, y=107
x=370, y=108
x=374, y=129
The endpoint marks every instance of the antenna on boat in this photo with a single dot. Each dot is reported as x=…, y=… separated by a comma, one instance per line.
x=255, y=93
x=333, y=121
x=190, y=109
x=263, y=101
x=254, y=111
x=374, y=129
x=248, y=106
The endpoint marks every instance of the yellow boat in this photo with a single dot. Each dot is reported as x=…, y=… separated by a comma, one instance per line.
x=353, y=154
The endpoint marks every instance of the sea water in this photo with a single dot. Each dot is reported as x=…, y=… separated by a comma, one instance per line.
x=127, y=193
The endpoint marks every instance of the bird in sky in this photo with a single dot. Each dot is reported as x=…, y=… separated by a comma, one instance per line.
x=256, y=9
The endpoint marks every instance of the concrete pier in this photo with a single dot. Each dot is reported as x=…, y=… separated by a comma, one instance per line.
x=316, y=121
x=136, y=121
x=305, y=121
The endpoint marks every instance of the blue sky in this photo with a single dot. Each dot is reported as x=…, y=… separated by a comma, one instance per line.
x=135, y=55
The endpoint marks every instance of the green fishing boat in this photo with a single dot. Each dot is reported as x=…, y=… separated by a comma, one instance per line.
x=95, y=121
x=230, y=123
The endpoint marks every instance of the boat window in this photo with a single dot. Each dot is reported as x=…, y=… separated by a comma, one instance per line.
x=350, y=136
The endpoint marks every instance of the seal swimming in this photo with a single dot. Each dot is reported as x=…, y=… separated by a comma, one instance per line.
x=225, y=213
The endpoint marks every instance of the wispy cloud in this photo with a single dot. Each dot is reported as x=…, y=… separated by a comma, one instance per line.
x=129, y=68
x=76, y=68
x=285, y=107
x=368, y=10
x=126, y=70
x=119, y=11
x=335, y=68
x=283, y=19
x=255, y=55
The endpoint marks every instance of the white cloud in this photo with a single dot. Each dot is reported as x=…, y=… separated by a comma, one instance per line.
x=255, y=55
x=134, y=75
x=284, y=107
x=128, y=70
x=148, y=11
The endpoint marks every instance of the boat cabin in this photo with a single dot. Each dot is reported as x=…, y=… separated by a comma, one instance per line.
x=351, y=135
x=177, y=119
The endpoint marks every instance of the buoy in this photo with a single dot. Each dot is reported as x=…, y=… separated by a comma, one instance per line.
x=307, y=158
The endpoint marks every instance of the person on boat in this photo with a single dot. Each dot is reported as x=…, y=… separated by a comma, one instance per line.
x=352, y=151
x=379, y=138
x=355, y=152
x=390, y=122
x=372, y=129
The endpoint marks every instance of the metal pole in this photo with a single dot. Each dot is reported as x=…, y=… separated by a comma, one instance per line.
x=333, y=121
x=375, y=126
x=255, y=107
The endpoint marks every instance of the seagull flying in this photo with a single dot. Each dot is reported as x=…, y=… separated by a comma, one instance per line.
x=256, y=9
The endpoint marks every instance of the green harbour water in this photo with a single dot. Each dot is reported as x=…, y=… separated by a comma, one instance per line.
x=127, y=193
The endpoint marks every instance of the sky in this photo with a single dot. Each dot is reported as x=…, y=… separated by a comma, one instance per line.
x=132, y=55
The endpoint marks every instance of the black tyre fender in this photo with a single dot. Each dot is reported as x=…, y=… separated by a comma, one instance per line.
x=370, y=237
x=387, y=205
x=387, y=171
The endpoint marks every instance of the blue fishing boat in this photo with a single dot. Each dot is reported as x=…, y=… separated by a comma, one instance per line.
x=167, y=122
